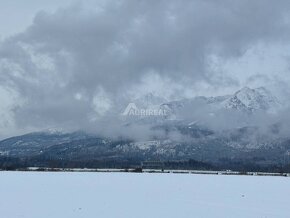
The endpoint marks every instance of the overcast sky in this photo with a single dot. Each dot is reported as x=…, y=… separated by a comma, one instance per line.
x=65, y=63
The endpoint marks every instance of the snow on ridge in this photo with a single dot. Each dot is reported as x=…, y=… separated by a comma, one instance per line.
x=244, y=100
x=253, y=99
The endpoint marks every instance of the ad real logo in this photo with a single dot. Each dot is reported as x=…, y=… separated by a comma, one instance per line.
x=133, y=110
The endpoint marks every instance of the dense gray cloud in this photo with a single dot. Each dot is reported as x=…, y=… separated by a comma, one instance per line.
x=71, y=66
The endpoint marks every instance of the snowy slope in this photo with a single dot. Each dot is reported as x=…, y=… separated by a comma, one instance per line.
x=250, y=100
x=123, y=195
x=244, y=100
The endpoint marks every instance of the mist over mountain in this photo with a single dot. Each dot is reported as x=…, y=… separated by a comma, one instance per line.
x=241, y=128
x=244, y=108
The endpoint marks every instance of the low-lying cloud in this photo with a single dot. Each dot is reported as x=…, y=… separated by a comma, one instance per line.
x=70, y=67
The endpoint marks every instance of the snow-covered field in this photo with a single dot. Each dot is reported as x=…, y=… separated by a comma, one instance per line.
x=130, y=195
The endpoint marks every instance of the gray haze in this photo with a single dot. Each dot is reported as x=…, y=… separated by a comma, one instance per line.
x=72, y=67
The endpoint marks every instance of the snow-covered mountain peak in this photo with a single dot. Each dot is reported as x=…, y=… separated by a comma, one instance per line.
x=252, y=99
x=246, y=100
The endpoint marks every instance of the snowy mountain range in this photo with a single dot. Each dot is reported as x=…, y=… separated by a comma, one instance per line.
x=246, y=100
x=250, y=100
x=184, y=133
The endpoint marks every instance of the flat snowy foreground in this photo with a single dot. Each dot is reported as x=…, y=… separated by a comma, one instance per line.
x=126, y=195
